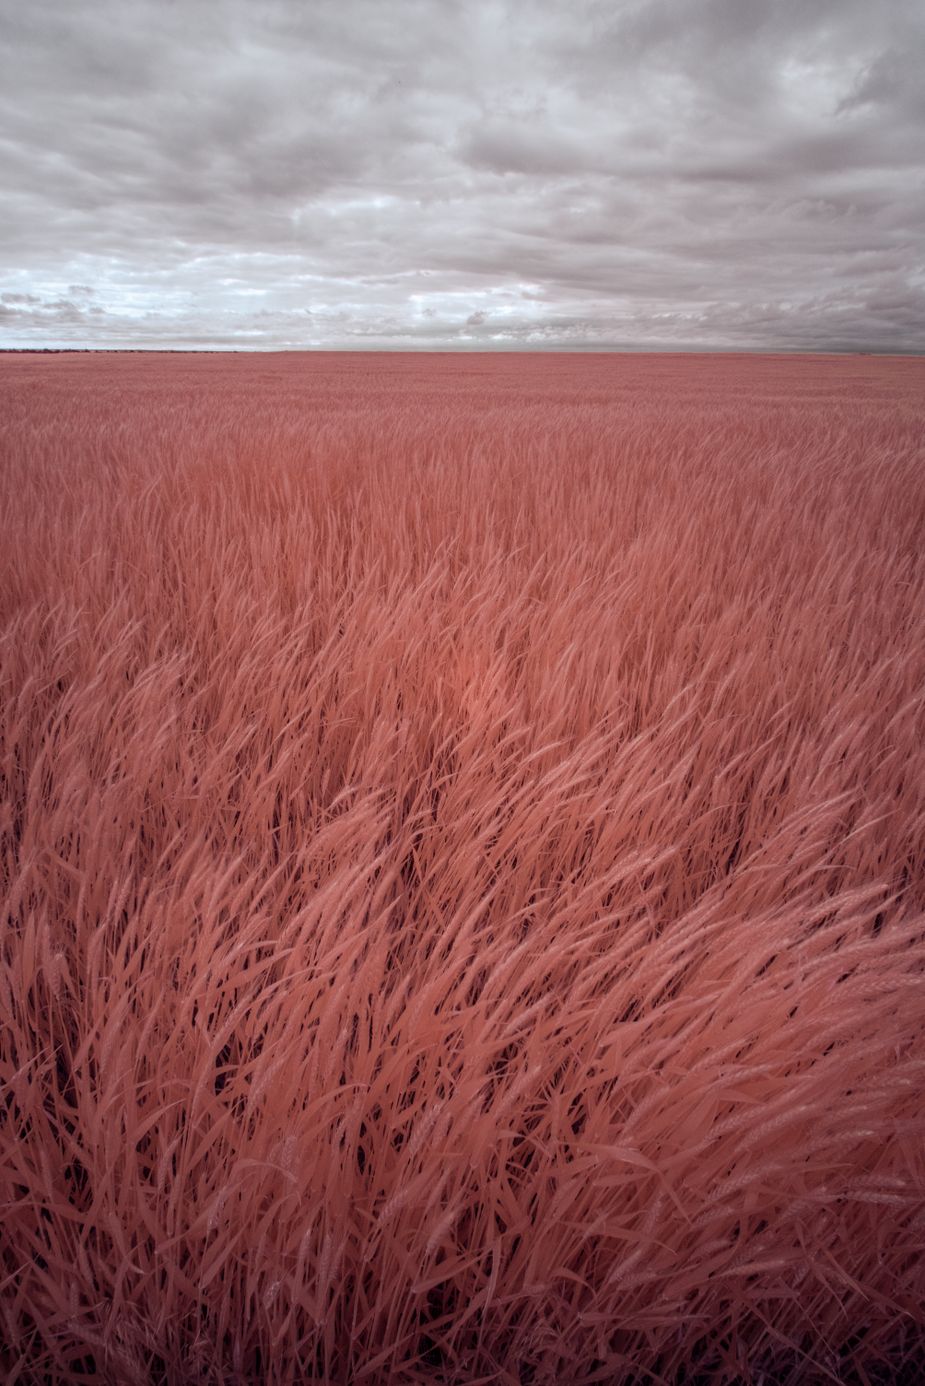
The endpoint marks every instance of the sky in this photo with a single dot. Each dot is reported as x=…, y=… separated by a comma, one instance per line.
x=463, y=174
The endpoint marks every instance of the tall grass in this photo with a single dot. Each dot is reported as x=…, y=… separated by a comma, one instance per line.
x=462, y=857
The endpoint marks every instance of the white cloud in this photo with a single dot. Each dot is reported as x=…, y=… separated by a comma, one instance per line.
x=394, y=172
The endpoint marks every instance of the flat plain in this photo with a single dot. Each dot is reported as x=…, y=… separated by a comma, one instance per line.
x=461, y=844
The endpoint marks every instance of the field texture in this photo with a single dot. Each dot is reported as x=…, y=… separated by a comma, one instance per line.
x=463, y=826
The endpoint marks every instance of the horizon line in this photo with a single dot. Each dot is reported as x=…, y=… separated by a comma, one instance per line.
x=563, y=349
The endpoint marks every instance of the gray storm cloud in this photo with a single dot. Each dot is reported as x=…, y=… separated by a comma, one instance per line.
x=489, y=174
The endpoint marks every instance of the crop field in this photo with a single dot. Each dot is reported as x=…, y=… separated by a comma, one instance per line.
x=462, y=847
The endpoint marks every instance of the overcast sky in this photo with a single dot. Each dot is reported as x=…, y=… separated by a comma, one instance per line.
x=487, y=173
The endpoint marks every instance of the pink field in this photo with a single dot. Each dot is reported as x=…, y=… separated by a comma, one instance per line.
x=463, y=826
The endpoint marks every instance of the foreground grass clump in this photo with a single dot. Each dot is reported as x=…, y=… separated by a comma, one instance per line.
x=462, y=856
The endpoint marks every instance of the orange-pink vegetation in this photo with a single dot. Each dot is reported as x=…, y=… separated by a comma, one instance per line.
x=462, y=854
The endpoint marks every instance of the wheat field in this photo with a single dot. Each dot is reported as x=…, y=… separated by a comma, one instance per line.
x=463, y=826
